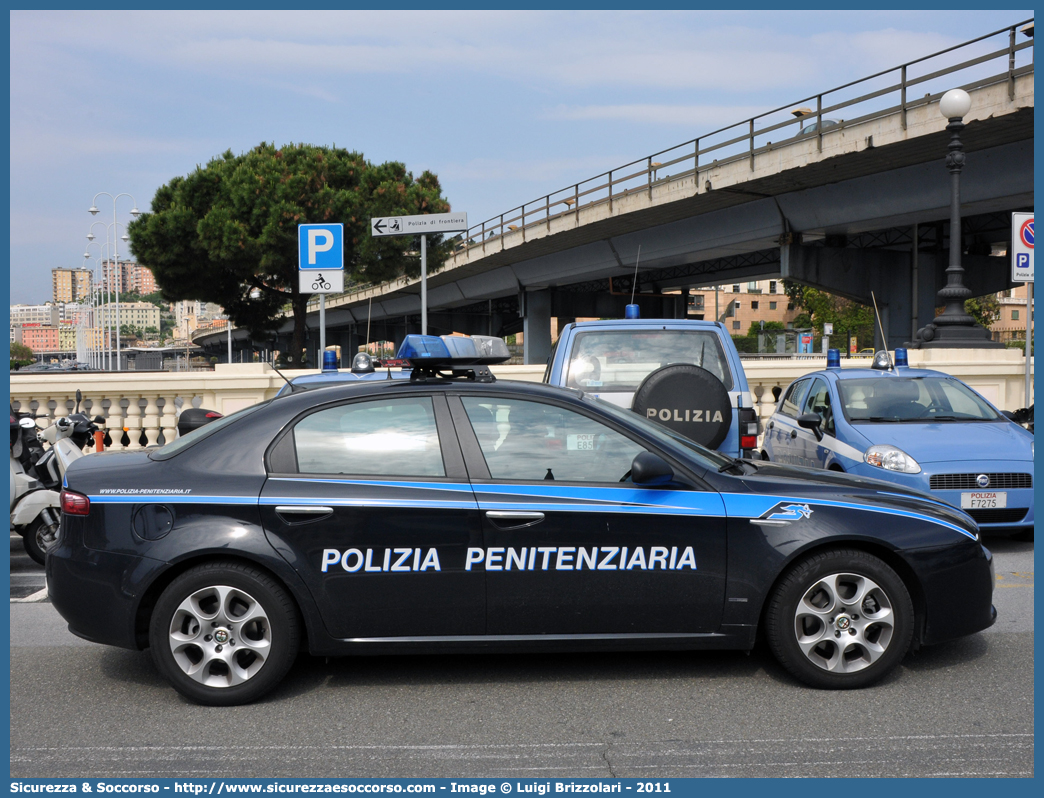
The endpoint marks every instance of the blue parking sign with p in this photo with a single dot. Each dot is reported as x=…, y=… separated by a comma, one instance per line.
x=320, y=247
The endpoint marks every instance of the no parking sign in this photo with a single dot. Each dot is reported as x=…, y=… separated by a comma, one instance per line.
x=1022, y=247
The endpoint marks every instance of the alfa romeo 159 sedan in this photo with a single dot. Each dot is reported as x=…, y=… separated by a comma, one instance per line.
x=452, y=512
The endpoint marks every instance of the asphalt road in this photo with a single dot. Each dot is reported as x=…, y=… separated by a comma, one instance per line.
x=962, y=709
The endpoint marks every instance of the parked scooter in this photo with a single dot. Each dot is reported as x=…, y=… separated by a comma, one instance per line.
x=35, y=506
x=37, y=475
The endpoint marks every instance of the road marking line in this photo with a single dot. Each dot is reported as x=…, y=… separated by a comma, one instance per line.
x=33, y=598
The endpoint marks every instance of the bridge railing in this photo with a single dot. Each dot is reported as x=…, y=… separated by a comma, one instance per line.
x=971, y=65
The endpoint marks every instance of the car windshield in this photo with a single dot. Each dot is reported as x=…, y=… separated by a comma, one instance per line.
x=609, y=361
x=168, y=450
x=911, y=399
x=708, y=458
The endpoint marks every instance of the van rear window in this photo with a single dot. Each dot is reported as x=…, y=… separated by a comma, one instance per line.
x=606, y=361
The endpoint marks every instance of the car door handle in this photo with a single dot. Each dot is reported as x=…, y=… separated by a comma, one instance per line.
x=301, y=514
x=511, y=519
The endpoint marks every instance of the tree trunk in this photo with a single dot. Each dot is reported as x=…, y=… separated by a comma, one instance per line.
x=295, y=357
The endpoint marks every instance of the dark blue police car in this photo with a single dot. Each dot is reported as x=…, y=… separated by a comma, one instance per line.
x=451, y=512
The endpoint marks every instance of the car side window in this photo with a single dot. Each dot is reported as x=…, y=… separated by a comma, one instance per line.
x=385, y=437
x=537, y=441
x=961, y=403
x=818, y=402
x=791, y=399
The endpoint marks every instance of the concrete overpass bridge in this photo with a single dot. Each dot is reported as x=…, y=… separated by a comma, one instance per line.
x=852, y=197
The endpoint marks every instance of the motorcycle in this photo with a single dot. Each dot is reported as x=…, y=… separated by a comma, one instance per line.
x=37, y=474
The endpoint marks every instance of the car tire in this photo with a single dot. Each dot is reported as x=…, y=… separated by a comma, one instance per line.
x=224, y=633
x=840, y=619
x=40, y=537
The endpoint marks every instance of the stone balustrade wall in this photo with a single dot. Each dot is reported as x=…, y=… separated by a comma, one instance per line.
x=146, y=405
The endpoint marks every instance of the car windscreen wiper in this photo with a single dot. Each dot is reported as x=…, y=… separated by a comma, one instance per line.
x=734, y=462
x=889, y=419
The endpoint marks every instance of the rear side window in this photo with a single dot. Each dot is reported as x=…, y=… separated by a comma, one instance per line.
x=183, y=442
x=792, y=398
x=607, y=361
x=536, y=441
x=386, y=437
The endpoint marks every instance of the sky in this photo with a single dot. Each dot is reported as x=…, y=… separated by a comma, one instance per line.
x=504, y=106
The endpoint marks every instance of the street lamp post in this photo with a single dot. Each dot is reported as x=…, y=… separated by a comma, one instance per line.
x=106, y=280
x=105, y=354
x=93, y=210
x=954, y=328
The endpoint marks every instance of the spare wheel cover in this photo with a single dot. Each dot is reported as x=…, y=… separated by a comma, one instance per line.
x=687, y=399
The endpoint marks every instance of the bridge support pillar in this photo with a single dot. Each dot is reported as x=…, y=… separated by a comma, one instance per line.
x=887, y=276
x=537, y=328
x=349, y=342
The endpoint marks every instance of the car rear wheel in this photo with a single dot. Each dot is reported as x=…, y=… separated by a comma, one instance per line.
x=840, y=619
x=41, y=536
x=224, y=633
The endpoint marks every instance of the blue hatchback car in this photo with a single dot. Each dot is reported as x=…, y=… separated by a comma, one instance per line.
x=917, y=428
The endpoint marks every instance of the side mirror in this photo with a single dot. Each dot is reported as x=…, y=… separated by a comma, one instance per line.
x=1010, y=414
x=79, y=398
x=650, y=469
x=811, y=421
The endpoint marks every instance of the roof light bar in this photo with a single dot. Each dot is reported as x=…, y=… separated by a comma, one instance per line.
x=451, y=351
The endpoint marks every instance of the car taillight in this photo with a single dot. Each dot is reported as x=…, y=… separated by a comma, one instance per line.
x=75, y=503
x=213, y=414
x=748, y=428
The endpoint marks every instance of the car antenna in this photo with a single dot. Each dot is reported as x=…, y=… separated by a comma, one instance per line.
x=891, y=365
x=293, y=388
x=634, y=283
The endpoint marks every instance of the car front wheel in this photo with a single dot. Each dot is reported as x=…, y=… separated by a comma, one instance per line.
x=840, y=619
x=224, y=633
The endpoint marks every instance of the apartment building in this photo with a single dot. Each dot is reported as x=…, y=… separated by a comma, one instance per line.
x=1011, y=323
x=70, y=285
x=127, y=277
x=40, y=338
x=738, y=305
x=48, y=313
x=131, y=314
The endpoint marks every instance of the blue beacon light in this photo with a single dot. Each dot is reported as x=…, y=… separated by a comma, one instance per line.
x=833, y=359
x=329, y=360
x=901, y=358
x=631, y=312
